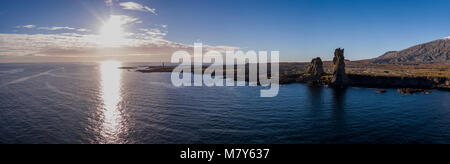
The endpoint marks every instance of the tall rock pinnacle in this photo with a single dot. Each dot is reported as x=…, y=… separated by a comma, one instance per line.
x=340, y=79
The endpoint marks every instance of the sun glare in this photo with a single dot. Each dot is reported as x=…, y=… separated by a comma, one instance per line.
x=111, y=83
x=112, y=33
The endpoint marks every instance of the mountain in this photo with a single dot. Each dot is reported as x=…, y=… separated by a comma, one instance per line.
x=435, y=52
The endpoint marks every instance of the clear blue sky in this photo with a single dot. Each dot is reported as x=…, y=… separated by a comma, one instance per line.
x=300, y=29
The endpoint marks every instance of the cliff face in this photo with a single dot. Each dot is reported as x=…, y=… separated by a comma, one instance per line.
x=435, y=52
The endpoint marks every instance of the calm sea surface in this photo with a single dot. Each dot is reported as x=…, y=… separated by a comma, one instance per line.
x=97, y=103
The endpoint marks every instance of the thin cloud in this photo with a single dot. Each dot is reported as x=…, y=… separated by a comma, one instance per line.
x=56, y=28
x=124, y=19
x=26, y=26
x=109, y=2
x=137, y=7
x=83, y=30
x=154, y=32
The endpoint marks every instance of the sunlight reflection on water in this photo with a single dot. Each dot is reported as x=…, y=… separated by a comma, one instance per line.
x=111, y=96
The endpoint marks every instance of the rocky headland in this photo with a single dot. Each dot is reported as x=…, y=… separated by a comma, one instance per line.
x=341, y=78
x=341, y=73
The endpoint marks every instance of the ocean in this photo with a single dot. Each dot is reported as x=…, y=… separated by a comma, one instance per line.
x=81, y=103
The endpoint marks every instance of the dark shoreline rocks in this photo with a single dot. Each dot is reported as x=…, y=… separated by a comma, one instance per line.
x=397, y=82
x=153, y=69
x=371, y=81
x=410, y=91
x=381, y=91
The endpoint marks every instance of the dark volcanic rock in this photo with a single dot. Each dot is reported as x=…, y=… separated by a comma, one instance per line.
x=340, y=78
x=410, y=91
x=154, y=69
x=127, y=67
x=381, y=91
x=314, y=72
x=398, y=82
x=315, y=69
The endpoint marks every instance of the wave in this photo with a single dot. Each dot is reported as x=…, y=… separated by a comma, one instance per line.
x=60, y=76
x=162, y=84
x=13, y=71
x=56, y=90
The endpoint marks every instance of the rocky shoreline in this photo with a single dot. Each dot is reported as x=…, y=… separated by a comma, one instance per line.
x=371, y=81
x=315, y=75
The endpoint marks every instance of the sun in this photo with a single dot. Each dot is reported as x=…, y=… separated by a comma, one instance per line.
x=112, y=32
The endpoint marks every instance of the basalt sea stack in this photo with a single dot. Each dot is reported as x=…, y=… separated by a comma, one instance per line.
x=315, y=72
x=340, y=79
x=315, y=69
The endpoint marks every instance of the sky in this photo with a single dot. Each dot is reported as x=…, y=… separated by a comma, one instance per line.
x=151, y=30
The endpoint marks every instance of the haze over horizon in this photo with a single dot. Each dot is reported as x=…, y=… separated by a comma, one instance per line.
x=151, y=30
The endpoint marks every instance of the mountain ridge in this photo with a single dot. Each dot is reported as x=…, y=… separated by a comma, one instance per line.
x=434, y=52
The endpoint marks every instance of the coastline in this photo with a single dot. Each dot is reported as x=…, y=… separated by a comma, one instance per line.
x=291, y=73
